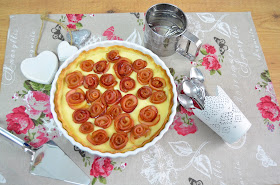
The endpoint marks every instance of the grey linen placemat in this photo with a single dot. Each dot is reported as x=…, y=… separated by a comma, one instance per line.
x=190, y=152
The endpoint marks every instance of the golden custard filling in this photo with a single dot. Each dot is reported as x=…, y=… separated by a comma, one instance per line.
x=113, y=99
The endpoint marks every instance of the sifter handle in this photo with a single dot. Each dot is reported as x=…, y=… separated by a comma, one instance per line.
x=185, y=43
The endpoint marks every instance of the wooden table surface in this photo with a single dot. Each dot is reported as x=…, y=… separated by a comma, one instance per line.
x=265, y=13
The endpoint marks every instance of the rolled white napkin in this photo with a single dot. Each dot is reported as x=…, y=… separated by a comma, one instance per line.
x=223, y=117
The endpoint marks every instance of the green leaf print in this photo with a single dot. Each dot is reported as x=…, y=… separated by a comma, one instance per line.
x=34, y=86
x=266, y=76
x=27, y=85
x=37, y=86
x=140, y=21
x=62, y=18
x=203, y=51
x=102, y=180
x=212, y=72
x=93, y=181
x=220, y=73
x=39, y=120
x=172, y=71
x=79, y=25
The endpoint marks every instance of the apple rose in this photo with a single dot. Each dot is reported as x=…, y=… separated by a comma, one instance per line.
x=127, y=84
x=157, y=83
x=144, y=76
x=158, y=97
x=91, y=81
x=149, y=115
x=108, y=81
x=129, y=103
x=118, y=140
x=97, y=109
x=144, y=92
x=93, y=95
x=98, y=137
x=80, y=116
x=123, y=68
x=110, y=97
x=87, y=65
x=76, y=99
x=114, y=111
x=101, y=67
x=86, y=128
x=103, y=121
x=74, y=79
x=139, y=64
x=123, y=123
x=113, y=56
x=139, y=131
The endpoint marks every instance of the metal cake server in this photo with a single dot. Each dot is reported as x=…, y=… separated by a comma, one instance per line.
x=50, y=161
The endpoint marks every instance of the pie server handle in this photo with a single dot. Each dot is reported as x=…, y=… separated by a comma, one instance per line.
x=15, y=139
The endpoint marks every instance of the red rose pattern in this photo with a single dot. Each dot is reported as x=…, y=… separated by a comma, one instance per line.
x=209, y=49
x=182, y=123
x=40, y=140
x=19, y=121
x=183, y=128
x=185, y=111
x=38, y=102
x=71, y=26
x=269, y=109
x=74, y=18
x=211, y=62
x=101, y=167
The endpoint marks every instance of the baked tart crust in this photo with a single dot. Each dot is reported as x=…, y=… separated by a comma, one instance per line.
x=151, y=126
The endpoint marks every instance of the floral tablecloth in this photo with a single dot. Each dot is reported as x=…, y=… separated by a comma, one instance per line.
x=190, y=152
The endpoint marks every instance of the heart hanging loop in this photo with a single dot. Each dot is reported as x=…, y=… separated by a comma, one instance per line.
x=44, y=17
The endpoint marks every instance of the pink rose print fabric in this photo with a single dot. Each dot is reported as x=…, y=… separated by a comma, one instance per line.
x=209, y=49
x=268, y=105
x=42, y=138
x=38, y=102
x=101, y=167
x=185, y=111
x=19, y=121
x=211, y=61
x=33, y=119
x=74, y=18
x=182, y=128
x=269, y=109
x=183, y=122
x=74, y=21
x=71, y=26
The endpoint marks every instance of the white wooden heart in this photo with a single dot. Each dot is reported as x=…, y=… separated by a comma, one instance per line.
x=65, y=50
x=40, y=69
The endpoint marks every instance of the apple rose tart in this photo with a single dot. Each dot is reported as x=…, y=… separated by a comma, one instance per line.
x=113, y=99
